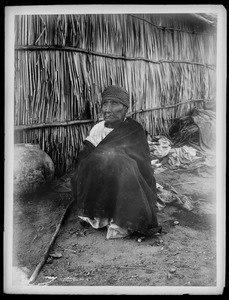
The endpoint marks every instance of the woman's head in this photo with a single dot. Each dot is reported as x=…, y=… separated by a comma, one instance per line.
x=115, y=103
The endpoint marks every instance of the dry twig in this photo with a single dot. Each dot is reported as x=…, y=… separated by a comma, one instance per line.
x=50, y=245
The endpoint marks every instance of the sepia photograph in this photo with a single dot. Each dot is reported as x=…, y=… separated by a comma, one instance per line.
x=115, y=149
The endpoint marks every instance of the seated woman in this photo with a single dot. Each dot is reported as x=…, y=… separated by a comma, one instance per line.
x=113, y=183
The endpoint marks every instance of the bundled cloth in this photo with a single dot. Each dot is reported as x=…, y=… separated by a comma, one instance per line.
x=159, y=146
x=183, y=157
x=205, y=120
x=196, y=130
x=168, y=195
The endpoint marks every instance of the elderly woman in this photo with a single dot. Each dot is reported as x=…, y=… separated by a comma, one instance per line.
x=113, y=184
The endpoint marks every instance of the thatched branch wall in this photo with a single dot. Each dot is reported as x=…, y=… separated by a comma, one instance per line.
x=63, y=63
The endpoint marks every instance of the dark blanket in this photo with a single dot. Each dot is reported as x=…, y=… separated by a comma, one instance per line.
x=115, y=179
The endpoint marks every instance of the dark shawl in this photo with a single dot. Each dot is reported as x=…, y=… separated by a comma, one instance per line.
x=115, y=179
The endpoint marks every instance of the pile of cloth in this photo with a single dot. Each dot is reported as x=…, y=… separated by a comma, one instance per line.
x=159, y=146
x=184, y=157
x=168, y=195
x=191, y=143
x=197, y=130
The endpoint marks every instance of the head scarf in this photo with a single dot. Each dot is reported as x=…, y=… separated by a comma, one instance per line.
x=116, y=92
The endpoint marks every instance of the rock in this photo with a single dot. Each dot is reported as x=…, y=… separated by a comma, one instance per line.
x=140, y=239
x=172, y=270
x=49, y=260
x=33, y=168
x=56, y=255
x=169, y=276
x=176, y=222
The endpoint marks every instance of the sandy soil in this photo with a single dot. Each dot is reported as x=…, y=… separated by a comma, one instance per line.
x=183, y=255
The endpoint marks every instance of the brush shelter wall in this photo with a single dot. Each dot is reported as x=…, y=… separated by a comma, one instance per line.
x=167, y=62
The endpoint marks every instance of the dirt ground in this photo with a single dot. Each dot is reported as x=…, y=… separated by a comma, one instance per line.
x=184, y=254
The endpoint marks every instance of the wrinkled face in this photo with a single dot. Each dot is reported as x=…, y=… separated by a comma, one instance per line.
x=114, y=112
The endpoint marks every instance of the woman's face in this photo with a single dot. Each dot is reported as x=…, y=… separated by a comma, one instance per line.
x=114, y=112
